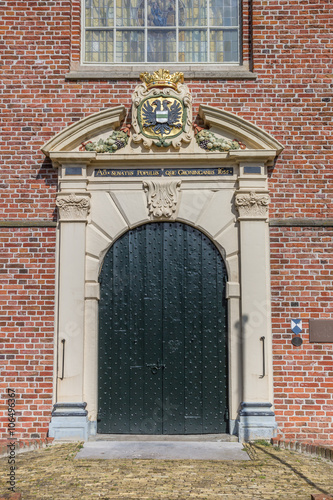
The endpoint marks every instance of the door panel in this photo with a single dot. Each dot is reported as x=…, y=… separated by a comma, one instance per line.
x=162, y=334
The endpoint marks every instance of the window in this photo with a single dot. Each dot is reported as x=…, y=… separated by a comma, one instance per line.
x=162, y=31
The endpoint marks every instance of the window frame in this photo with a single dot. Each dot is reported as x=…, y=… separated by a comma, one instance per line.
x=205, y=70
x=146, y=29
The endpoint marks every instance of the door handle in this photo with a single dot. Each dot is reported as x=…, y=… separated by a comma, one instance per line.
x=63, y=359
x=155, y=367
x=263, y=358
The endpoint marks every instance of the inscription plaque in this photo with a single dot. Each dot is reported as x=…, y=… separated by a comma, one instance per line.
x=163, y=172
x=321, y=330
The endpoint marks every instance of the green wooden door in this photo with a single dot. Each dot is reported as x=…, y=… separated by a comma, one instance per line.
x=163, y=334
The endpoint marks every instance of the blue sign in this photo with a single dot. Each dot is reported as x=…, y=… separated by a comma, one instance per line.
x=296, y=326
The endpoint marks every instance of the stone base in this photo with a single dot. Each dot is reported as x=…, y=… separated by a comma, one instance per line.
x=233, y=427
x=256, y=421
x=69, y=422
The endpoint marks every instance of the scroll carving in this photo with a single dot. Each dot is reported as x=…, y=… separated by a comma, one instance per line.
x=73, y=207
x=162, y=198
x=252, y=205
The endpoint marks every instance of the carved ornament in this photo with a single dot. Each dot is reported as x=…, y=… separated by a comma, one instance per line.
x=162, y=198
x=117, y=140
x=162, y=78
x=211, y=142
x=161, y=110
x=252, y=205
x=73, y=207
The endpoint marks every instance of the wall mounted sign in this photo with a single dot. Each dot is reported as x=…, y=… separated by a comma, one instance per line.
x=321, y=330
x=297, y=341
x=163, y=172
x=296, y=326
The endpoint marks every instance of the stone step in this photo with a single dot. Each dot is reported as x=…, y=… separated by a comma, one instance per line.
x=163, y=450
x=225, y=438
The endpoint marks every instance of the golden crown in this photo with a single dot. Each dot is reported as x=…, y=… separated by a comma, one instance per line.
x=162, y=78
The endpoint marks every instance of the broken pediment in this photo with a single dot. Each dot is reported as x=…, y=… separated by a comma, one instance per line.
x=90, y=128
x=162, y=124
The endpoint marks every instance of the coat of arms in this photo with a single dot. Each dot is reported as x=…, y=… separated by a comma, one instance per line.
x=161, y=112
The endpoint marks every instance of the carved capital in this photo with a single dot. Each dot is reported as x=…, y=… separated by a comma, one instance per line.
x=162, y=198
x=252, y=205
x=73, y=207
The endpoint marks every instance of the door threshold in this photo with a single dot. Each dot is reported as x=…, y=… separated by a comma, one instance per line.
x=226, y=438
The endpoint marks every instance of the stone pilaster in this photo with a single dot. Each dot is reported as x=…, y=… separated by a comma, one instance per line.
x=71, y=420
x=256, y=419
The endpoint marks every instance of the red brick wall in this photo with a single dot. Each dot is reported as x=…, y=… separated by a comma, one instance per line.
x=302, y=268
x=291, y=99
x=27, y=283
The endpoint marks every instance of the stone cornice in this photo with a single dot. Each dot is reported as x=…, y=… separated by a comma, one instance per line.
x=301, y=222
x=28, y=223
x=99, y=159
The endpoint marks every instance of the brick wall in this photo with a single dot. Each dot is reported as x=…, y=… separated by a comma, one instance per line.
x=302, y=267
x=27, y=289
x=291, y=99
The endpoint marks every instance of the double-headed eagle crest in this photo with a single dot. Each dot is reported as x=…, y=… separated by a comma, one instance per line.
x=162, y=115
x=161, y=112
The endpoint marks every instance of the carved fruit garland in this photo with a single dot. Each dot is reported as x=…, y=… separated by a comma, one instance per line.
x=117, y=140
x=211, y=142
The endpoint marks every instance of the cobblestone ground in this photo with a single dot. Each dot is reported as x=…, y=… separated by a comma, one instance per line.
x=53, y=474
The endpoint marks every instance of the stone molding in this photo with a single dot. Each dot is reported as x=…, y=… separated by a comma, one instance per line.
x=92, y=291
x=233, y=290
x=252, y=205
x=73, y=207
x=64, y=148
x=245, y=131
x=130, y=72
x=162, y=198
x=73, y=135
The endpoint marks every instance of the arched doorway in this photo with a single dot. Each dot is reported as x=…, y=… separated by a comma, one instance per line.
x=163, y=334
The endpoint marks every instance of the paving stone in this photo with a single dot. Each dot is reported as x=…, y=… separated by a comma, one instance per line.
x=11, y=496
x=271, y=474
x=321, y=497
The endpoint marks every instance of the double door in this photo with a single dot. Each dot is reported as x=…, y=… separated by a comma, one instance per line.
x=163, y=334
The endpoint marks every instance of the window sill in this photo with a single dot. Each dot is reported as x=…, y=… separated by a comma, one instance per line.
x=109, y=72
